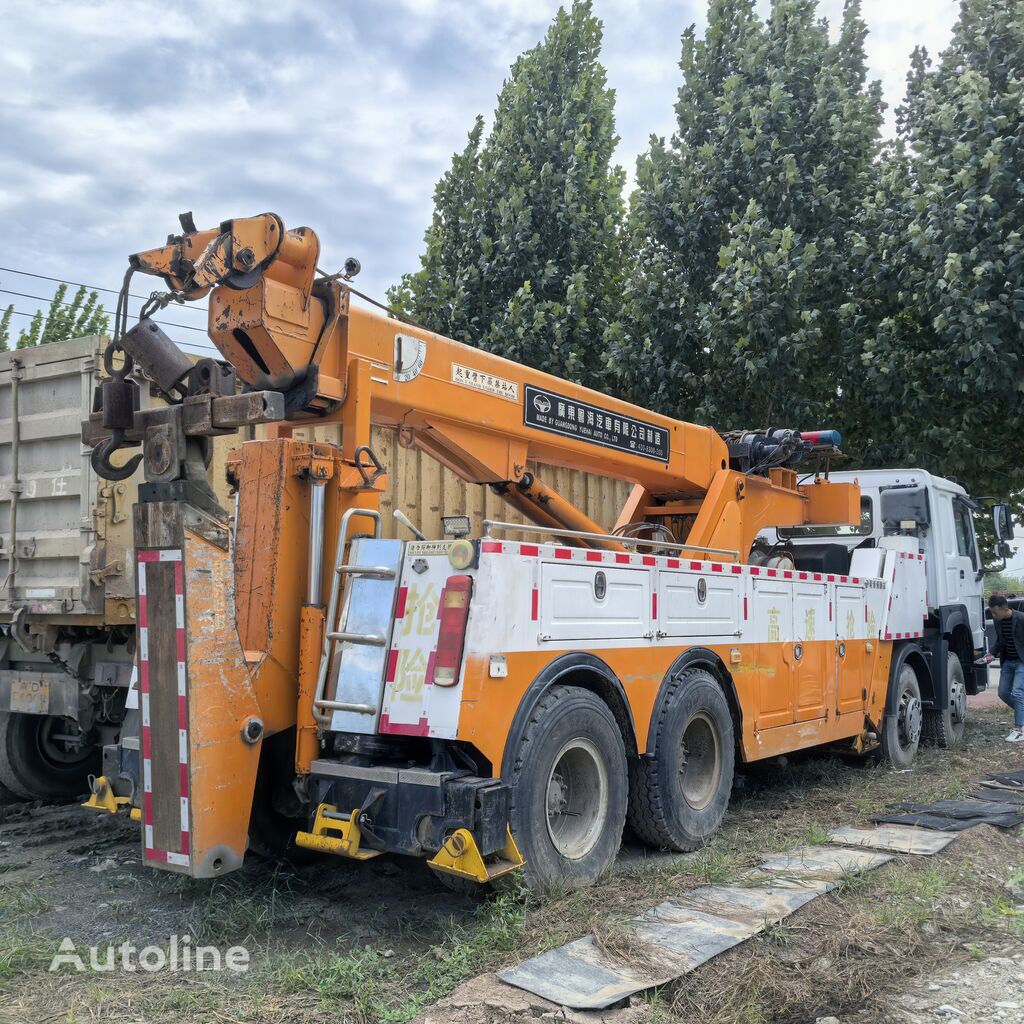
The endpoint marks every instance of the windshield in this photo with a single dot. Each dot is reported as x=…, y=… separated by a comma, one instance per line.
x=862, y=529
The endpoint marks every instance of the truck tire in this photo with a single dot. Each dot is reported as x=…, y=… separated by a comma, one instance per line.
x=272, y=823
x=569, y=790
x=35, y=765
x=901, y=729
x=946, y=728
x=679, y=796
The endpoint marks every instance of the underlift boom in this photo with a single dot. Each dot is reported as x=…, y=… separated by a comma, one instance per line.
x=470, y=701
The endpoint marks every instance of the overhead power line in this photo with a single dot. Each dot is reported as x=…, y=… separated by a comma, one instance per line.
x=40, y=298
x=92, y=287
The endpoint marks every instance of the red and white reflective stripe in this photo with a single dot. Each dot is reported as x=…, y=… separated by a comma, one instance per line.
x=661, y=561
x=151, y=851
x=421, y=728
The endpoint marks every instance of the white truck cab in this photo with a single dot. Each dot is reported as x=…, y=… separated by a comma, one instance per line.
x=934, y=514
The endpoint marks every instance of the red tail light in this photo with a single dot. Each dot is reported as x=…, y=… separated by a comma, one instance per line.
x=451, y=637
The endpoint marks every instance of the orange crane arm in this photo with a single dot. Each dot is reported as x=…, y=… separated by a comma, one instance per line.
x=480, y=415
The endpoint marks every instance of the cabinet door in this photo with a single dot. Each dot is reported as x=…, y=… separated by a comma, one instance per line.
x=694, y=604
x=585, y=602
x=851, y=656
x=773, y=617
x=814, y=633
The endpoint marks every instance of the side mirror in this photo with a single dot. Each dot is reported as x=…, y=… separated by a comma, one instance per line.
x=1002, y=522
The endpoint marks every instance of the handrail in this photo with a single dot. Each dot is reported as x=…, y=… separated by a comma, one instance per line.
x=490, y=524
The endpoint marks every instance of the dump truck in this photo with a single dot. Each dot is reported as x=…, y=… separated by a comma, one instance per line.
x=492, y=700
x=67, y=601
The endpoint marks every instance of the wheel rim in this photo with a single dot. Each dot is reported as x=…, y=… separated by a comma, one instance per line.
x=909, y=716
x=56, y=751
x=700, y=761
x=958, y=703
x=577, y=798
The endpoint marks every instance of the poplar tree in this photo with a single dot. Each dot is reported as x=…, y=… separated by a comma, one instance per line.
x=938, y=303
x=524, y=254
x=741, y=222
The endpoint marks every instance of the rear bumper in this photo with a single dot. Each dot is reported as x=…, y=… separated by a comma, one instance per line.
x=412, y=810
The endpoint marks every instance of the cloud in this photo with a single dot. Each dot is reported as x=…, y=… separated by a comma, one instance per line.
x=117, y=116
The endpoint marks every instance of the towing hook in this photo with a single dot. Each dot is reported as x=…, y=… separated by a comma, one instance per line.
x=100, y=458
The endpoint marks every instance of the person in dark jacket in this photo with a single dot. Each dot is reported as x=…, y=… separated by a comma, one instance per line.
x=1009, y=650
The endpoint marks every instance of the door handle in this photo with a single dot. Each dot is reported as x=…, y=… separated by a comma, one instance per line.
x=961, y=574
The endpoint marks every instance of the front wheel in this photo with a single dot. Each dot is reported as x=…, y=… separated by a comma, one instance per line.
x=679, y=796
x=569, y=790
x=43, y=757
x=946, y=728
x=901, y=730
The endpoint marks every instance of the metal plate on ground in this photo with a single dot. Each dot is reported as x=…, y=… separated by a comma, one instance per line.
x=677, y=939
x=816, y=862
x=899, y=838
x=757, y=905
x=679, y=935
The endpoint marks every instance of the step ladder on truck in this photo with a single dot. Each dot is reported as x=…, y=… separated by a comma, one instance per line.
x=489, y=703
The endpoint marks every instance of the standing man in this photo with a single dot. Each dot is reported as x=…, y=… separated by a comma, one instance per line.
x=1009, y=650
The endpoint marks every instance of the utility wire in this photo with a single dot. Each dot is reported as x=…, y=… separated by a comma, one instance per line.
x=92, y=287
x=39, y=298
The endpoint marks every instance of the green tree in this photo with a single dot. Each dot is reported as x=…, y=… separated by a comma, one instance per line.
x=938, y=308
x=30, y=337
x=741, y=223
x=5, y=328
x=81, y=316
x=524, y=254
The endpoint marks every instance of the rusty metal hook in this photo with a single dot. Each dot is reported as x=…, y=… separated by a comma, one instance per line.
x=378, y=467
x=100, y=458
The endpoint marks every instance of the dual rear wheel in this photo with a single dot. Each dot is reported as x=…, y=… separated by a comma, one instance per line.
x=573, y=788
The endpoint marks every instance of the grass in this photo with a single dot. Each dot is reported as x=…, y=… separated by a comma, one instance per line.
x=22, y=947
x=313, y=960
x=374, y=985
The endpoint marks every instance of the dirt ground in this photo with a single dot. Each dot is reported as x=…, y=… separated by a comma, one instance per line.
x=385, y=942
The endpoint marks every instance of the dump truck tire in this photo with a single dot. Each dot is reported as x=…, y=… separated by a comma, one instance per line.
x=946, y=728
x=901, y=730
x=569, y=790
x=32, y=763
x=679, y=795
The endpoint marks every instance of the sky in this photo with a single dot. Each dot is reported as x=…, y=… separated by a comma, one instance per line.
x=118, y=115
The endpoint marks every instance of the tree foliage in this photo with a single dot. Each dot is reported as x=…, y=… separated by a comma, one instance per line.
x=524, y=254
x=939, y=295
x=741, y=223
x=81, y=316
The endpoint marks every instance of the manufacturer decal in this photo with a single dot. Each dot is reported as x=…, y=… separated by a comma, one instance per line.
x=467, y=377
x=569, y=417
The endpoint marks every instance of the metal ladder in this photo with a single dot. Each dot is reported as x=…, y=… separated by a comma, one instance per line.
x=322, y=707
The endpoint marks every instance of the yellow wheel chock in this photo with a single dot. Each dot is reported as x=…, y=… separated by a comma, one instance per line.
x=345, y=844
x=461, y=856
x=102, y=798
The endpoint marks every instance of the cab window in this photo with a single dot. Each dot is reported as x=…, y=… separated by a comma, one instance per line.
x=862, y=529
x=965, y=545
